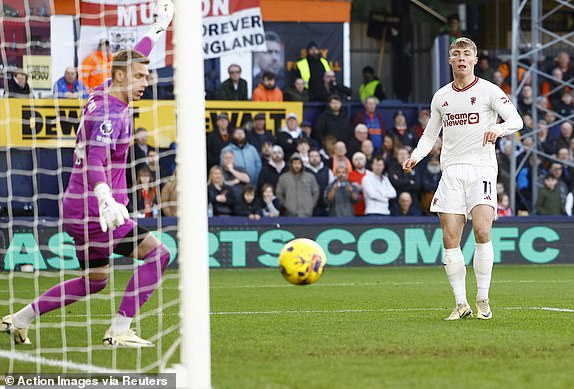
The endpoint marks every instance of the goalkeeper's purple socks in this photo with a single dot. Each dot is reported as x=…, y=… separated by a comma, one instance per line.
x=138, y=291
x=71, y=290
x=144, y=281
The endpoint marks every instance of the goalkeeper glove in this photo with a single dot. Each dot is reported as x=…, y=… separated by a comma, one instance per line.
x=162, y=14
x=112, y=213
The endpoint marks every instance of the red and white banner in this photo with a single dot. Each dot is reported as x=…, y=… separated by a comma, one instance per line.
x=232, y=26
x=123, y=23
x=229, y=26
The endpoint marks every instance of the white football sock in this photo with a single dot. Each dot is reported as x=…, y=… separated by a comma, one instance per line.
x=120, y=324
x=24, y=317
x=456, y=273
x=483, y=262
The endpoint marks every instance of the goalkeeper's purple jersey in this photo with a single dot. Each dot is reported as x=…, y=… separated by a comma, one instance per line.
x=102, y=147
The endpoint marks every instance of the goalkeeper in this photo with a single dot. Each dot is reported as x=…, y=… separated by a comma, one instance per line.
x=94, y=205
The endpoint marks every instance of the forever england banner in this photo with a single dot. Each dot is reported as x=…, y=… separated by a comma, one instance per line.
x=123, y=23
x=231, y=26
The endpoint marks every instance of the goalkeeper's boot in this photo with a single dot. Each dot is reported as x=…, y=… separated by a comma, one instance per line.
x=20, y=335
x=127, y=339
x=483, y=310
x=461, y=311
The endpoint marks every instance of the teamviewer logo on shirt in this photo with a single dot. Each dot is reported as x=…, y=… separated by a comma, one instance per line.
x=459, y=119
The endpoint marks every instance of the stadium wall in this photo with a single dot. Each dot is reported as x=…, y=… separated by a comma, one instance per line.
x=375, y=241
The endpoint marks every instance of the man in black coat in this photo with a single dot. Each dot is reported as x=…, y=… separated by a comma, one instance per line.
x=18, y=86
x=271, y=170
x=234, y=88
x=259, y=134
x=137, y=157
x=323, y=174
x=217, y=140
x=333, y=121
x=330, y=87
x=405, y=182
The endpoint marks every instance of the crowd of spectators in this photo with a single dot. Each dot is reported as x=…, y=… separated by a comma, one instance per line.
x=340, y=165
x=545, y=150
x=351, y=166
x=151, y=184
x=337, y=166
x=77, y=83
x=355, y=162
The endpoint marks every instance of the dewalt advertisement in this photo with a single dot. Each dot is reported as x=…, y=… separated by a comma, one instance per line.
x=55, y=122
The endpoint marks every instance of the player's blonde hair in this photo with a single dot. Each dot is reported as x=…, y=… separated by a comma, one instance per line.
x=463, y=43
x=124, y=58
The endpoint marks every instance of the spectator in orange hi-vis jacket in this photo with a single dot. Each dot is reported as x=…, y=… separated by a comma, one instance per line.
x=267, y=90
x=96, y=67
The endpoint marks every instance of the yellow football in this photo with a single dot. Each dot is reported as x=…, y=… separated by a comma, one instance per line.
x=302, y=261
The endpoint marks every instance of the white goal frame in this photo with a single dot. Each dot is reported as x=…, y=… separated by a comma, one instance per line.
x=192, y=196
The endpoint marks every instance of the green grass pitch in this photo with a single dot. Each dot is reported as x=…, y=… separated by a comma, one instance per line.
x=355, y=328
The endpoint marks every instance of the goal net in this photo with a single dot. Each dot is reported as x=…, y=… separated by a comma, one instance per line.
x=53, y=54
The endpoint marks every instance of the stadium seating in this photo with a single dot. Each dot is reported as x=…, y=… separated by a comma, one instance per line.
x=49, y=181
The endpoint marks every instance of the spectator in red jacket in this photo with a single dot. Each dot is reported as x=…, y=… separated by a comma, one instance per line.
x=420, y=125
x=503, y=206
x=356, y=175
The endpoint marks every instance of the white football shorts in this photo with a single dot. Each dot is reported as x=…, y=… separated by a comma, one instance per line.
x=462, y=187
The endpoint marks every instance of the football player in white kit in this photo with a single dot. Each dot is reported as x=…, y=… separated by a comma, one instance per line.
x=467, y=110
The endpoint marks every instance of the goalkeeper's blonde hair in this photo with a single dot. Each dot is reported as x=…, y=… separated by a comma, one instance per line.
x=463, y=43
x=125, y=58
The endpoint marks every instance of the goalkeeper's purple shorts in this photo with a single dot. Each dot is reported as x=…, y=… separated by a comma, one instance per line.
x=94, y=247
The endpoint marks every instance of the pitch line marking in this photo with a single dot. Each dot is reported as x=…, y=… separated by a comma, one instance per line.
x=340, y=284
x=383, y=283
x=290, y=312
x=380, y=310
x=26, y=357
x=557, y=309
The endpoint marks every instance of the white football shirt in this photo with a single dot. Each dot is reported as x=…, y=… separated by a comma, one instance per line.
x=464, y=115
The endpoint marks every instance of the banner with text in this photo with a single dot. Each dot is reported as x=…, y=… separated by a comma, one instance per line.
x=242, y=112
x=25, y=30
x=239, y=243
x=231, y=26
x=123, y=24
x=54, y=123
x=39, y=68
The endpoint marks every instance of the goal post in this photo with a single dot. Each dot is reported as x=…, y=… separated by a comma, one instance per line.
x=192, y=196
x=37, y=148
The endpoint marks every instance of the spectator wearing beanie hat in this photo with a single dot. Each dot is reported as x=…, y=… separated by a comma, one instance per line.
x=312, y=67
x=259, y=134
x=289, y=135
